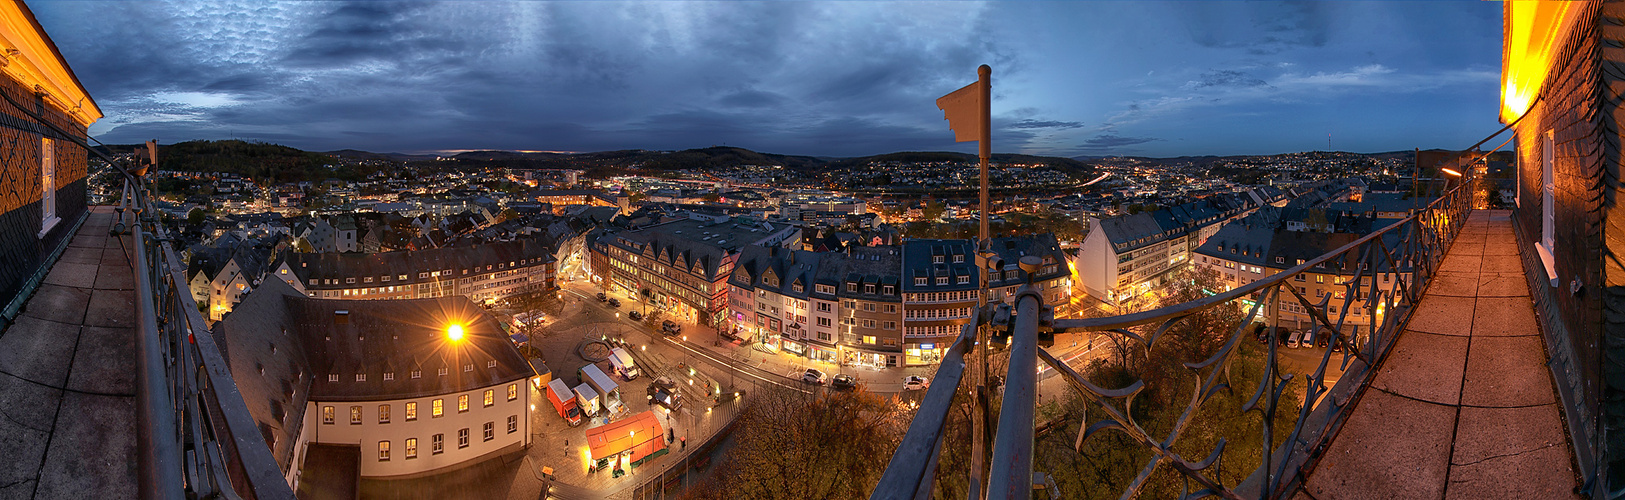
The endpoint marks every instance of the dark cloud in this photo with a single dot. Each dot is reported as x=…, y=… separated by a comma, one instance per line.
x=1225, y=78
x=1044, y=124
x=1103, y=144
x=1259, y=28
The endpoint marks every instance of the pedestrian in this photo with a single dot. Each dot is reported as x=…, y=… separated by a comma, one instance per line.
x=684, y=441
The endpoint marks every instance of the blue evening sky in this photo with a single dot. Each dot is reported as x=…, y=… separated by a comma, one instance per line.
x=814, y=78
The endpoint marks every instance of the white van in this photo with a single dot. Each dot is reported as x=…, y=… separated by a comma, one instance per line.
x=621, y=361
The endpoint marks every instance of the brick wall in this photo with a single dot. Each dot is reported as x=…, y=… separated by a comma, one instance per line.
x=23, y=253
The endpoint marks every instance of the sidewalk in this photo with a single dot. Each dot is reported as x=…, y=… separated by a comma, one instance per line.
x=1464, y=405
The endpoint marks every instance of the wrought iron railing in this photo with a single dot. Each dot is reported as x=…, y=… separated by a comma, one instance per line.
x=194, y=435
x=1386, y=274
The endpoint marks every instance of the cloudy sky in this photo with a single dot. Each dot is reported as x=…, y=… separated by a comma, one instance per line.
x=816, y=78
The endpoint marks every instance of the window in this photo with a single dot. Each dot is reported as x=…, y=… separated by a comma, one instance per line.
x=47, y=186
x=360, y=377
x=869, y=306
x=437, y=444
x=823, y=321
x=889, y=290
x=958, y=258
x=936, y=259
x=513, y=392
x=868, y=323
x=349, y=280
x=411, y=448
x=437, y=409
x=1321, y=278
x=383, y=414
x=1548, y=194
x=411, y=411
x=327, y=414
x=332, y=377
x=868, y=339
x=388, y=376
x=513, y=424
x=942, y=280
x=489, y=397
x=964, y=280
x=417, y=373
x=823, y=307
x=383, y=451
x=919, y=281
x=490, y=431
x=852, y=287
x=462, y=437
x=891, y=308
x=355, y=415
x=1280, y=259
x=891, y=325
x=462, y=403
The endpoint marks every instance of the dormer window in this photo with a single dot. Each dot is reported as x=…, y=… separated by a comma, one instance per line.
x=959, y=258
x=936, y=259
x=851, y=287
x=869, y=288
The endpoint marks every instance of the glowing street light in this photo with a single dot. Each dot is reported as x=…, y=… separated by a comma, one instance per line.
x=455, y=332
x=1450, y=172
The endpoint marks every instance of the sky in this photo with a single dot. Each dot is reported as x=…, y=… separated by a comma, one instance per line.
x=846, y=78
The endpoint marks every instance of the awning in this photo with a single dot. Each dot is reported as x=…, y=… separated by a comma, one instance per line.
x=641, y=434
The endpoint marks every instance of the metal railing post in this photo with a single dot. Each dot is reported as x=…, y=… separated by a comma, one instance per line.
x=1013, y=443
x=156, y=439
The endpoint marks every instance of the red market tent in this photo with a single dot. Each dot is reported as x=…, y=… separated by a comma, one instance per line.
x=640, y=434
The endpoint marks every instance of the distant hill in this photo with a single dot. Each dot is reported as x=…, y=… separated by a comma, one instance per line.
x=258, y=160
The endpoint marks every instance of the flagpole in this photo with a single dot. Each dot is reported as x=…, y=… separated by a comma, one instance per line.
x=980, y=419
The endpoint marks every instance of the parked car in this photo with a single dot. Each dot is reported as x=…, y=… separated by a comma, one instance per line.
x=813, y=376
x=844, y=381
x=1296, y=340
x=671, y=327
x=636, y=316
x=915, y=383
x=602, y=297
x=614, y=302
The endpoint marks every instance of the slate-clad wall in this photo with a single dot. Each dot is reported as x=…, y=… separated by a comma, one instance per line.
x=22, y=251
x=1579, y=104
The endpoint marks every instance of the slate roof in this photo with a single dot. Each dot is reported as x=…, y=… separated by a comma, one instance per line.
x=337, y=266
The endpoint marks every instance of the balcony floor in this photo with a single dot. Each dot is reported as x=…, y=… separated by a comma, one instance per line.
x=1464, y=406
x=67, y=376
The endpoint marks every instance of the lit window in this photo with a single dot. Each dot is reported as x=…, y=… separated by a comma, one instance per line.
x=489, y=397
x=411, y=448
x=327, y=414
x=437, y=411
x=383, y=414
x=47, y=185
x=462, y=403
x=355, y=415
x=411, y=411
x=383, y=451
x=513, y=392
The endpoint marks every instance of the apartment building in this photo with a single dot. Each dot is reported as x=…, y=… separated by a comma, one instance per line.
x=484, y=273
x=1124, y=257
x=770, y=297
x=685, y=263
x=1268, y=242
x=940, y=291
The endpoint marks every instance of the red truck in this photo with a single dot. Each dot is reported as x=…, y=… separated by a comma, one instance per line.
x=564, y=401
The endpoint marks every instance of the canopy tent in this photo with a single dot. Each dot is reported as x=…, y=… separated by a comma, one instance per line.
x=641, y=434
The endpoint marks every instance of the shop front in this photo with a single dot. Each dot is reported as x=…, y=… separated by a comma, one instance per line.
x=767, y=333
x=923, y=354
x=794, y=347
x=870, y=359
x=821, y=353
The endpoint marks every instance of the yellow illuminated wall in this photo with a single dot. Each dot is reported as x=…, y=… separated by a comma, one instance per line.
x=1533, y=33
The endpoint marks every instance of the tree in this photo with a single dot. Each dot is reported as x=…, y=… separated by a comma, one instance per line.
x=194, y=217
x=711, y=197
x=819, y=446
x=933, y=210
